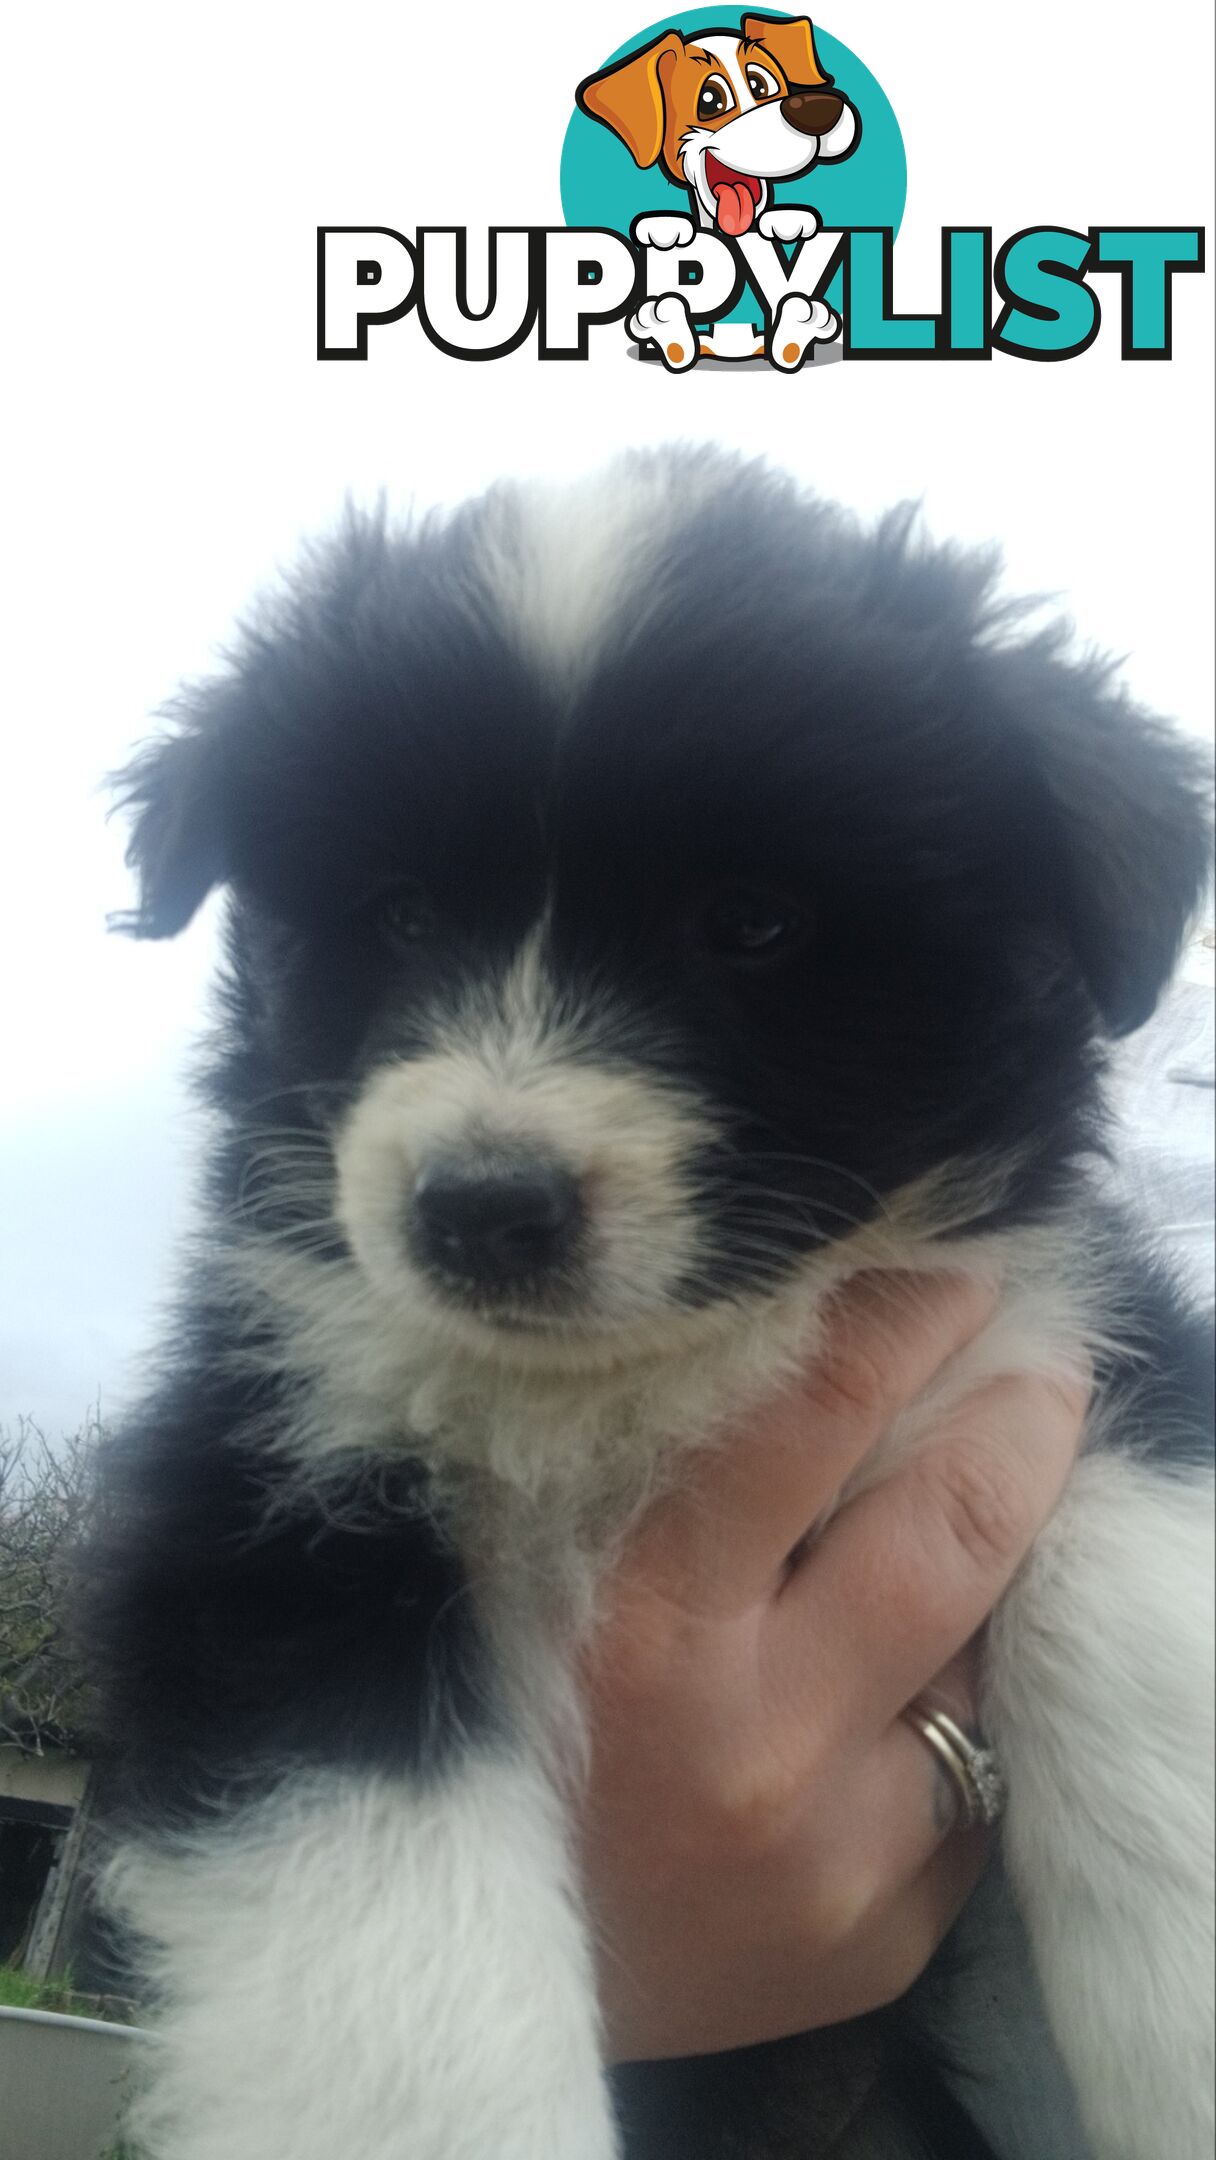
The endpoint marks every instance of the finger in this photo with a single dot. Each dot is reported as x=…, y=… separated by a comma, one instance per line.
x=900, y=1942
x=724, y=1538
x=956, y=1691
x=908, y=1571
x=903, y=1803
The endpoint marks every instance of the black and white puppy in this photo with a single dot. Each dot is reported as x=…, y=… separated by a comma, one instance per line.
x=610, y=975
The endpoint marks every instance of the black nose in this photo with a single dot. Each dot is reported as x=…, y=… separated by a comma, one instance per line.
x=494, y=1227
x=812, y=112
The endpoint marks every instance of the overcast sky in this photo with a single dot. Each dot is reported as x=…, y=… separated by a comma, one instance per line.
x=170, y=435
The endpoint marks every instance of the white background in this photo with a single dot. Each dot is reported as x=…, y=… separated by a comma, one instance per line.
x=169, y=434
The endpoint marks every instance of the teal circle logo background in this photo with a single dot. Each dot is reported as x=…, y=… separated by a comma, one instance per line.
x=601, y=185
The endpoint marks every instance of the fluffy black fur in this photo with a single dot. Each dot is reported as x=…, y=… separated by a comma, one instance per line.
x=986, y=857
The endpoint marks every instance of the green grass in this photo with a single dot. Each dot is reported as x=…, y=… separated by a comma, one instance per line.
x=20, y=1991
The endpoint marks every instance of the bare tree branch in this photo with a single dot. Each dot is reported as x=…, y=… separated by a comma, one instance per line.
x=43, y=1492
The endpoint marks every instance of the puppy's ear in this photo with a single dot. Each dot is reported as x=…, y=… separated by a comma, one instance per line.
x=791, y=45
x=1130, y=817
x=629, y=97
x=177, y=844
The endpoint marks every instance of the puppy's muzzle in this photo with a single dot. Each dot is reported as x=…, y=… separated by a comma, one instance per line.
x=494, y=1226
x=812, y=112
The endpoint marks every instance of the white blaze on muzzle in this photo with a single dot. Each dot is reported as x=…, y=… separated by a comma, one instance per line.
x=511, y=1081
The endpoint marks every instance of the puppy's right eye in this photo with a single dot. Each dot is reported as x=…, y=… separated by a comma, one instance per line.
x=400, y=914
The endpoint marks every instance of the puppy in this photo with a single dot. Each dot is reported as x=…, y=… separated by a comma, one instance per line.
x=601, y=991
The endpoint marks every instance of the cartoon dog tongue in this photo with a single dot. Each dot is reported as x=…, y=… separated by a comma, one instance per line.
x=736, y=206
x=736, y=195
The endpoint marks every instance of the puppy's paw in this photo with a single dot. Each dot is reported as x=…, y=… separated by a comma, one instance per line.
x=663, y=230
x=668, y=323
x=799, y=324
x=788, y=222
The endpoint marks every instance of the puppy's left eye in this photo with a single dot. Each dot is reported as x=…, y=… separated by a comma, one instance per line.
x=760, y=84
x=746, y=923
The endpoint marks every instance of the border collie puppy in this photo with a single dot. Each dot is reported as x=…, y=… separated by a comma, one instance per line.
x=649, y=902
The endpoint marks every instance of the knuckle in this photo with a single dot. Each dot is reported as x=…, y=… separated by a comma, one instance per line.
x=850, y=1387
x=987, y=1507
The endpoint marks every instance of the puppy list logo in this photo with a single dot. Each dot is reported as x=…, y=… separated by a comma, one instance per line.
x=685, y=178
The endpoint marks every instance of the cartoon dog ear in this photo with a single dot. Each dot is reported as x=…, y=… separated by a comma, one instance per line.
x=1130, y=815
x=177, y=844
x=791, y=45
x=628, y=98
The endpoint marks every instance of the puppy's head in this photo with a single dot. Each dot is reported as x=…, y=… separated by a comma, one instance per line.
x=726, y=115
x=640, y=886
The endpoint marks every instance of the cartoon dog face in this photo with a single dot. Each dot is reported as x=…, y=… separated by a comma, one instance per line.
x=724, y=115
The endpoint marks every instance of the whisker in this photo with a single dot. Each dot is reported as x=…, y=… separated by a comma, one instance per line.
x=300, y=1087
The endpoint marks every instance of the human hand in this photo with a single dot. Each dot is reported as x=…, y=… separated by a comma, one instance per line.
x=767, y=1845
